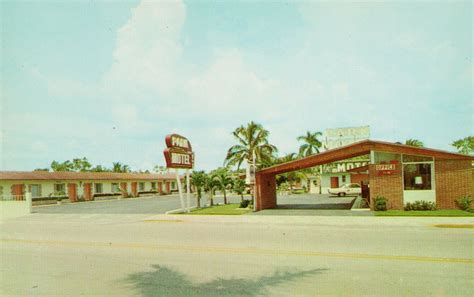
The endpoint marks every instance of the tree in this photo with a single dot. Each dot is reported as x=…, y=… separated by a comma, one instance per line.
x=82, y=165
x=119, y=167
x=223, y=180
x=290, y=177
x=311, y=143
x=160, y=169
x=210, y=186
x=99, y=168
x=41, y=169
x=414, y=142
x=252, y=139
x=198, y=180
x=464, y=145
x=239, y=187
x=64, y=166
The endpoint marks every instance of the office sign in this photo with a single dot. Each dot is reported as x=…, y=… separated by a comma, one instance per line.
x=385, y=169
x=178, y=153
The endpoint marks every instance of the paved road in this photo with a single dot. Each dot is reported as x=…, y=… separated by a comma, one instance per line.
x=124, y=255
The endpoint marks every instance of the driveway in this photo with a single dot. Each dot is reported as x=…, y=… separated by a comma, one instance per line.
x=313, y=205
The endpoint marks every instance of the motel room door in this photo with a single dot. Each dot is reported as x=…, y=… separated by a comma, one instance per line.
x=334, y=182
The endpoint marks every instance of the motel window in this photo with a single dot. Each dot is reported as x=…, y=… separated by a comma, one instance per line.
x=98, y=188
x=343, y=178
x=60, y=189
x=35, y=190
x=417, y=176
x=382, y=157
x=173, y=185
x=115, y=188
x=153, y=185
x=412, y=158
x=141, y=186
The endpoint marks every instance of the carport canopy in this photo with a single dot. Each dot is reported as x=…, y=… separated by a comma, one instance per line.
x=265, y=195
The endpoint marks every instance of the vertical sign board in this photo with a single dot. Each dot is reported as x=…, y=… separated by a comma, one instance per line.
x=179, y=155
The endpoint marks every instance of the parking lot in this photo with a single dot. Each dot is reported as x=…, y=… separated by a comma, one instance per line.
x=307, y=204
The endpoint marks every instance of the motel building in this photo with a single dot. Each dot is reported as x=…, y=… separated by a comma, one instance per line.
x=400, y=173
x=83, y=186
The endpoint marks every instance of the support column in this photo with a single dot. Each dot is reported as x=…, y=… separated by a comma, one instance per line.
x=87, y=191
x=134, y=189
x=265, y=196
x=160, y=187
x=124, y=189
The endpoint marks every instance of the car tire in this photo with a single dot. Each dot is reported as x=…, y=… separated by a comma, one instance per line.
x=343, y=194
x=338, y=194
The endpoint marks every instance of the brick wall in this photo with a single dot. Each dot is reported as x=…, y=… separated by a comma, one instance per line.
x=266, y=191
x=454, y=179
x=388, y=186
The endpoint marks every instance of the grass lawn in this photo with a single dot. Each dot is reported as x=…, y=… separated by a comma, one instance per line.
x=427, y=213
x=229, y=209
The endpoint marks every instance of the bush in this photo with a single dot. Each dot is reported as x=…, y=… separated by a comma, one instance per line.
x=244, y=204
x=380, y=203
x=420, y=205
x=465, y=203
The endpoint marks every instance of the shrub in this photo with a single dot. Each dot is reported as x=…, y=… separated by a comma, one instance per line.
x=244, y=203
x=420, y=205
x=380, y=203
x=465, y=203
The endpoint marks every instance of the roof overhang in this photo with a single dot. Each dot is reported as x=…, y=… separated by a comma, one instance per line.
x=357, y=149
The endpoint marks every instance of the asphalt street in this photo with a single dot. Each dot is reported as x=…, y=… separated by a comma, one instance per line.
x=125, y=254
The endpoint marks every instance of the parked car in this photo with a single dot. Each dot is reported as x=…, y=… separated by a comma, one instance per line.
x=347, y=189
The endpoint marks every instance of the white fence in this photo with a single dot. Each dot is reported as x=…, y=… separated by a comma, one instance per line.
x=12, y=206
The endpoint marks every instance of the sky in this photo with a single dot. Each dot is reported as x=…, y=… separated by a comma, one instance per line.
x=109, y=80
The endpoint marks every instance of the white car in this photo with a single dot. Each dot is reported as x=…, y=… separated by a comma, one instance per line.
x=347, y=189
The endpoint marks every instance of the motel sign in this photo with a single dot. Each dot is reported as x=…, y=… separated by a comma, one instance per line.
x=178, y=153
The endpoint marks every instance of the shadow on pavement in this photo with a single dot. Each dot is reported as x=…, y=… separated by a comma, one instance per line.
x=316, y=206
x=163, y=281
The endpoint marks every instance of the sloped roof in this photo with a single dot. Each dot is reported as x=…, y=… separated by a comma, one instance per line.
x=358, y=149
x=67, y=175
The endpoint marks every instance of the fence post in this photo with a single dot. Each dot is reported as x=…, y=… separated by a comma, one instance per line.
x=29, y=201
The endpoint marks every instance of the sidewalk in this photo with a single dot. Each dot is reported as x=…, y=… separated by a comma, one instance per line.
x=314, y=220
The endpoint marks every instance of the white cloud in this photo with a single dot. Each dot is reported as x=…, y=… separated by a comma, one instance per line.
x=148, y=50
x=229, y=85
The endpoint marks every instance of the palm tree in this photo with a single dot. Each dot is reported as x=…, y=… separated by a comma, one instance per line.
x=198, y=179
x=210, y=186
x=252, y=140
x=311, y=143
x=464, y=146
x=414, y=142
x=223, y=180
x=119, y=167
x=239, y=188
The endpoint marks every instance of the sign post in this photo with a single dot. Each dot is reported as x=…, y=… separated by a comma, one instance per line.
x=188, y=190
x=178, y=154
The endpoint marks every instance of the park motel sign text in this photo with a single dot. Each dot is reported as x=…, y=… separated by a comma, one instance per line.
x=178, y=153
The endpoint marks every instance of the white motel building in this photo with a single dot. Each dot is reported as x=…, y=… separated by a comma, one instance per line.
x=84, y=186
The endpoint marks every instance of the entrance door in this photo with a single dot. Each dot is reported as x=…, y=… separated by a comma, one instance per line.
x=72, y=192
x=334, y=182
